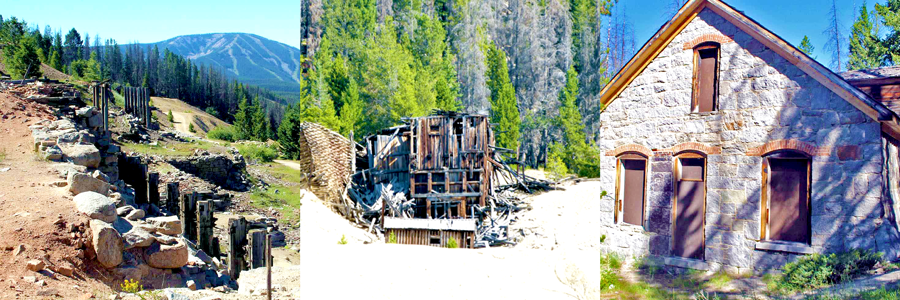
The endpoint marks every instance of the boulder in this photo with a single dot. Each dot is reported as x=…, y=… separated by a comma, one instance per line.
x=165, y=239
x=82, y=155
x=107, y=244
x=124, y=210
x=167, y=257
x=127, y=273
x=85, y=112
x=96, y=206
x=53, y=153
x=64, y=270
x=137, y=237
x=34, y=265
x=64, y=169
x=170, y=225
x=95, y=121
x=80, y=182
x=135, y=215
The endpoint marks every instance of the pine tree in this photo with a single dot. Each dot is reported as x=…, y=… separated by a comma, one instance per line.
x=580, y=156
x=865, y=50
x=351, y=112
x=243, y=119
x=504, y=108
x=55, y=61
x=807, y=47
x=260, y=127
x=890, y=18
x=835, y=35
x=24, y=62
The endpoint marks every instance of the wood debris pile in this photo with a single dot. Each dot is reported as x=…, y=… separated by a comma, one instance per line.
x=436, y=167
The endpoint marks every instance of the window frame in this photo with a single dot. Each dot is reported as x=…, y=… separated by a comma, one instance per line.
x=766, y=192
x=695, y=101
x=619, y=208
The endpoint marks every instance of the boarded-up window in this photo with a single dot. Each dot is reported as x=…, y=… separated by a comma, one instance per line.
x=690, y=211
x=706, y=77
x=632, y=177
x=786, y=215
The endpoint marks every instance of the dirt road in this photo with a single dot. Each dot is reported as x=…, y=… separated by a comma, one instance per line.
x=182, y=122
x=289, y=163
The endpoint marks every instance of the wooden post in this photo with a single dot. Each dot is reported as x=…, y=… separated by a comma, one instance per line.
x=269, y=263
x=206, y=223
x=140, y=191
x=237, y=239
x=257, y=248
x=188, y=216
x=146, y=107
x=214, y=250
x=172, y=198
x=105, y=92
x=129, y=108
x=153, y=188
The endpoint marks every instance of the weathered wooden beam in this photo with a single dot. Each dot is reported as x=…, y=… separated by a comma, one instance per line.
x=257, y=248
x=206, y=223
x=237, y=239
x=153, y=188
x=172, y=198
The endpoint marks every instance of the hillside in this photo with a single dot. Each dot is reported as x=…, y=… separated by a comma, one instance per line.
x=250, y=58
x=183, y=115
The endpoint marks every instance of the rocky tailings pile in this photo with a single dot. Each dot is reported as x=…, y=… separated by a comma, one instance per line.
x=139, y=242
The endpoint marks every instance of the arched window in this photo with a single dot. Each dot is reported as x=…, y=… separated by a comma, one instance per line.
x=631, y=188
x=785, y=197
x=706, y=77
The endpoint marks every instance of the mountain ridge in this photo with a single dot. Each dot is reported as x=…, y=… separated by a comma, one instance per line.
x=250, y=58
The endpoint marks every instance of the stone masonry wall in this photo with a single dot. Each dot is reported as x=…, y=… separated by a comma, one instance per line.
x=219, y=169
x=762, y=99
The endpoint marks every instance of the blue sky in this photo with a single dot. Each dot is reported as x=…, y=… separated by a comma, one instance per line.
x=790, y=19
x=154, y=21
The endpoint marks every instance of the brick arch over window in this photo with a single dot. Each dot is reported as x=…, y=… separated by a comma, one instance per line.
x=710, y=37
x=630, y=148
x=692, y=146
x=795, y=145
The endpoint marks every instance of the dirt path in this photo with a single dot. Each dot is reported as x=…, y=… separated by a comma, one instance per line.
x=289, y=163
x=29, y=208
x=182, y=122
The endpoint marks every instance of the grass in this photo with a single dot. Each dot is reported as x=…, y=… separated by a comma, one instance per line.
x=169, y=149
x=2, y=155
x=452, y=243
x=392, y=238
x=343, y=240
x=821, y=270
x=257, y=153
x=718, y=280
x=286, y=200
x=224, y=133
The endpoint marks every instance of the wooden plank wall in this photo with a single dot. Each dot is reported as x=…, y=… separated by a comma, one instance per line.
x=423, y=237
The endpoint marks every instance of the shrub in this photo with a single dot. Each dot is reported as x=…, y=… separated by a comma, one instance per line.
x=452, y=244
x=392, y=238
x=556, y=167
x=131, y=286
x=609, y=266
x=820, y=270
x=258, y=153
x=191, y=128
x=224, y=133
x=171, y=117
x=343, y=240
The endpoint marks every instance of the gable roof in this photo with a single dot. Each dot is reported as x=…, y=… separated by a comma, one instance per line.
x=815, y=70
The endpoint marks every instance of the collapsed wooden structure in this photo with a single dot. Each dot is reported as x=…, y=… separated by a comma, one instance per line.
x=409, y=180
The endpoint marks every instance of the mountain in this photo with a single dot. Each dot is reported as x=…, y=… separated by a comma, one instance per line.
x=250, y=58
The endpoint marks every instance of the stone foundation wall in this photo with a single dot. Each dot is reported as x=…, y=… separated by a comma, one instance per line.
x=765, y=102
x=219, y=169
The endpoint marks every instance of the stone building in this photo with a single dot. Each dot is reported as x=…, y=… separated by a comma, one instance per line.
x=726, y=147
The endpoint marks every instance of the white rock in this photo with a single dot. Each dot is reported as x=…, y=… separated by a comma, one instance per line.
x=96, y=206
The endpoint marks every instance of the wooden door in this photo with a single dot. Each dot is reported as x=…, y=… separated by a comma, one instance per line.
x=633, y=188
x=788, y=204
x=690, y=212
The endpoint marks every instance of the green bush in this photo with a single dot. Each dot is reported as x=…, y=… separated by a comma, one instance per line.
x=224, y=133
x=258, y=153
x=191, y=128
x=610, y=263
x=171, y=117
x=392, y=238
x=820, y=270
x=343, y=240
x=452, y=243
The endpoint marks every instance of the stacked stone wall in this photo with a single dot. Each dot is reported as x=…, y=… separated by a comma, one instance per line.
x=764, y=102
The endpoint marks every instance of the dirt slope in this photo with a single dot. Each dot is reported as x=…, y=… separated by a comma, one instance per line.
x=29, y=209
x=183, y=115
